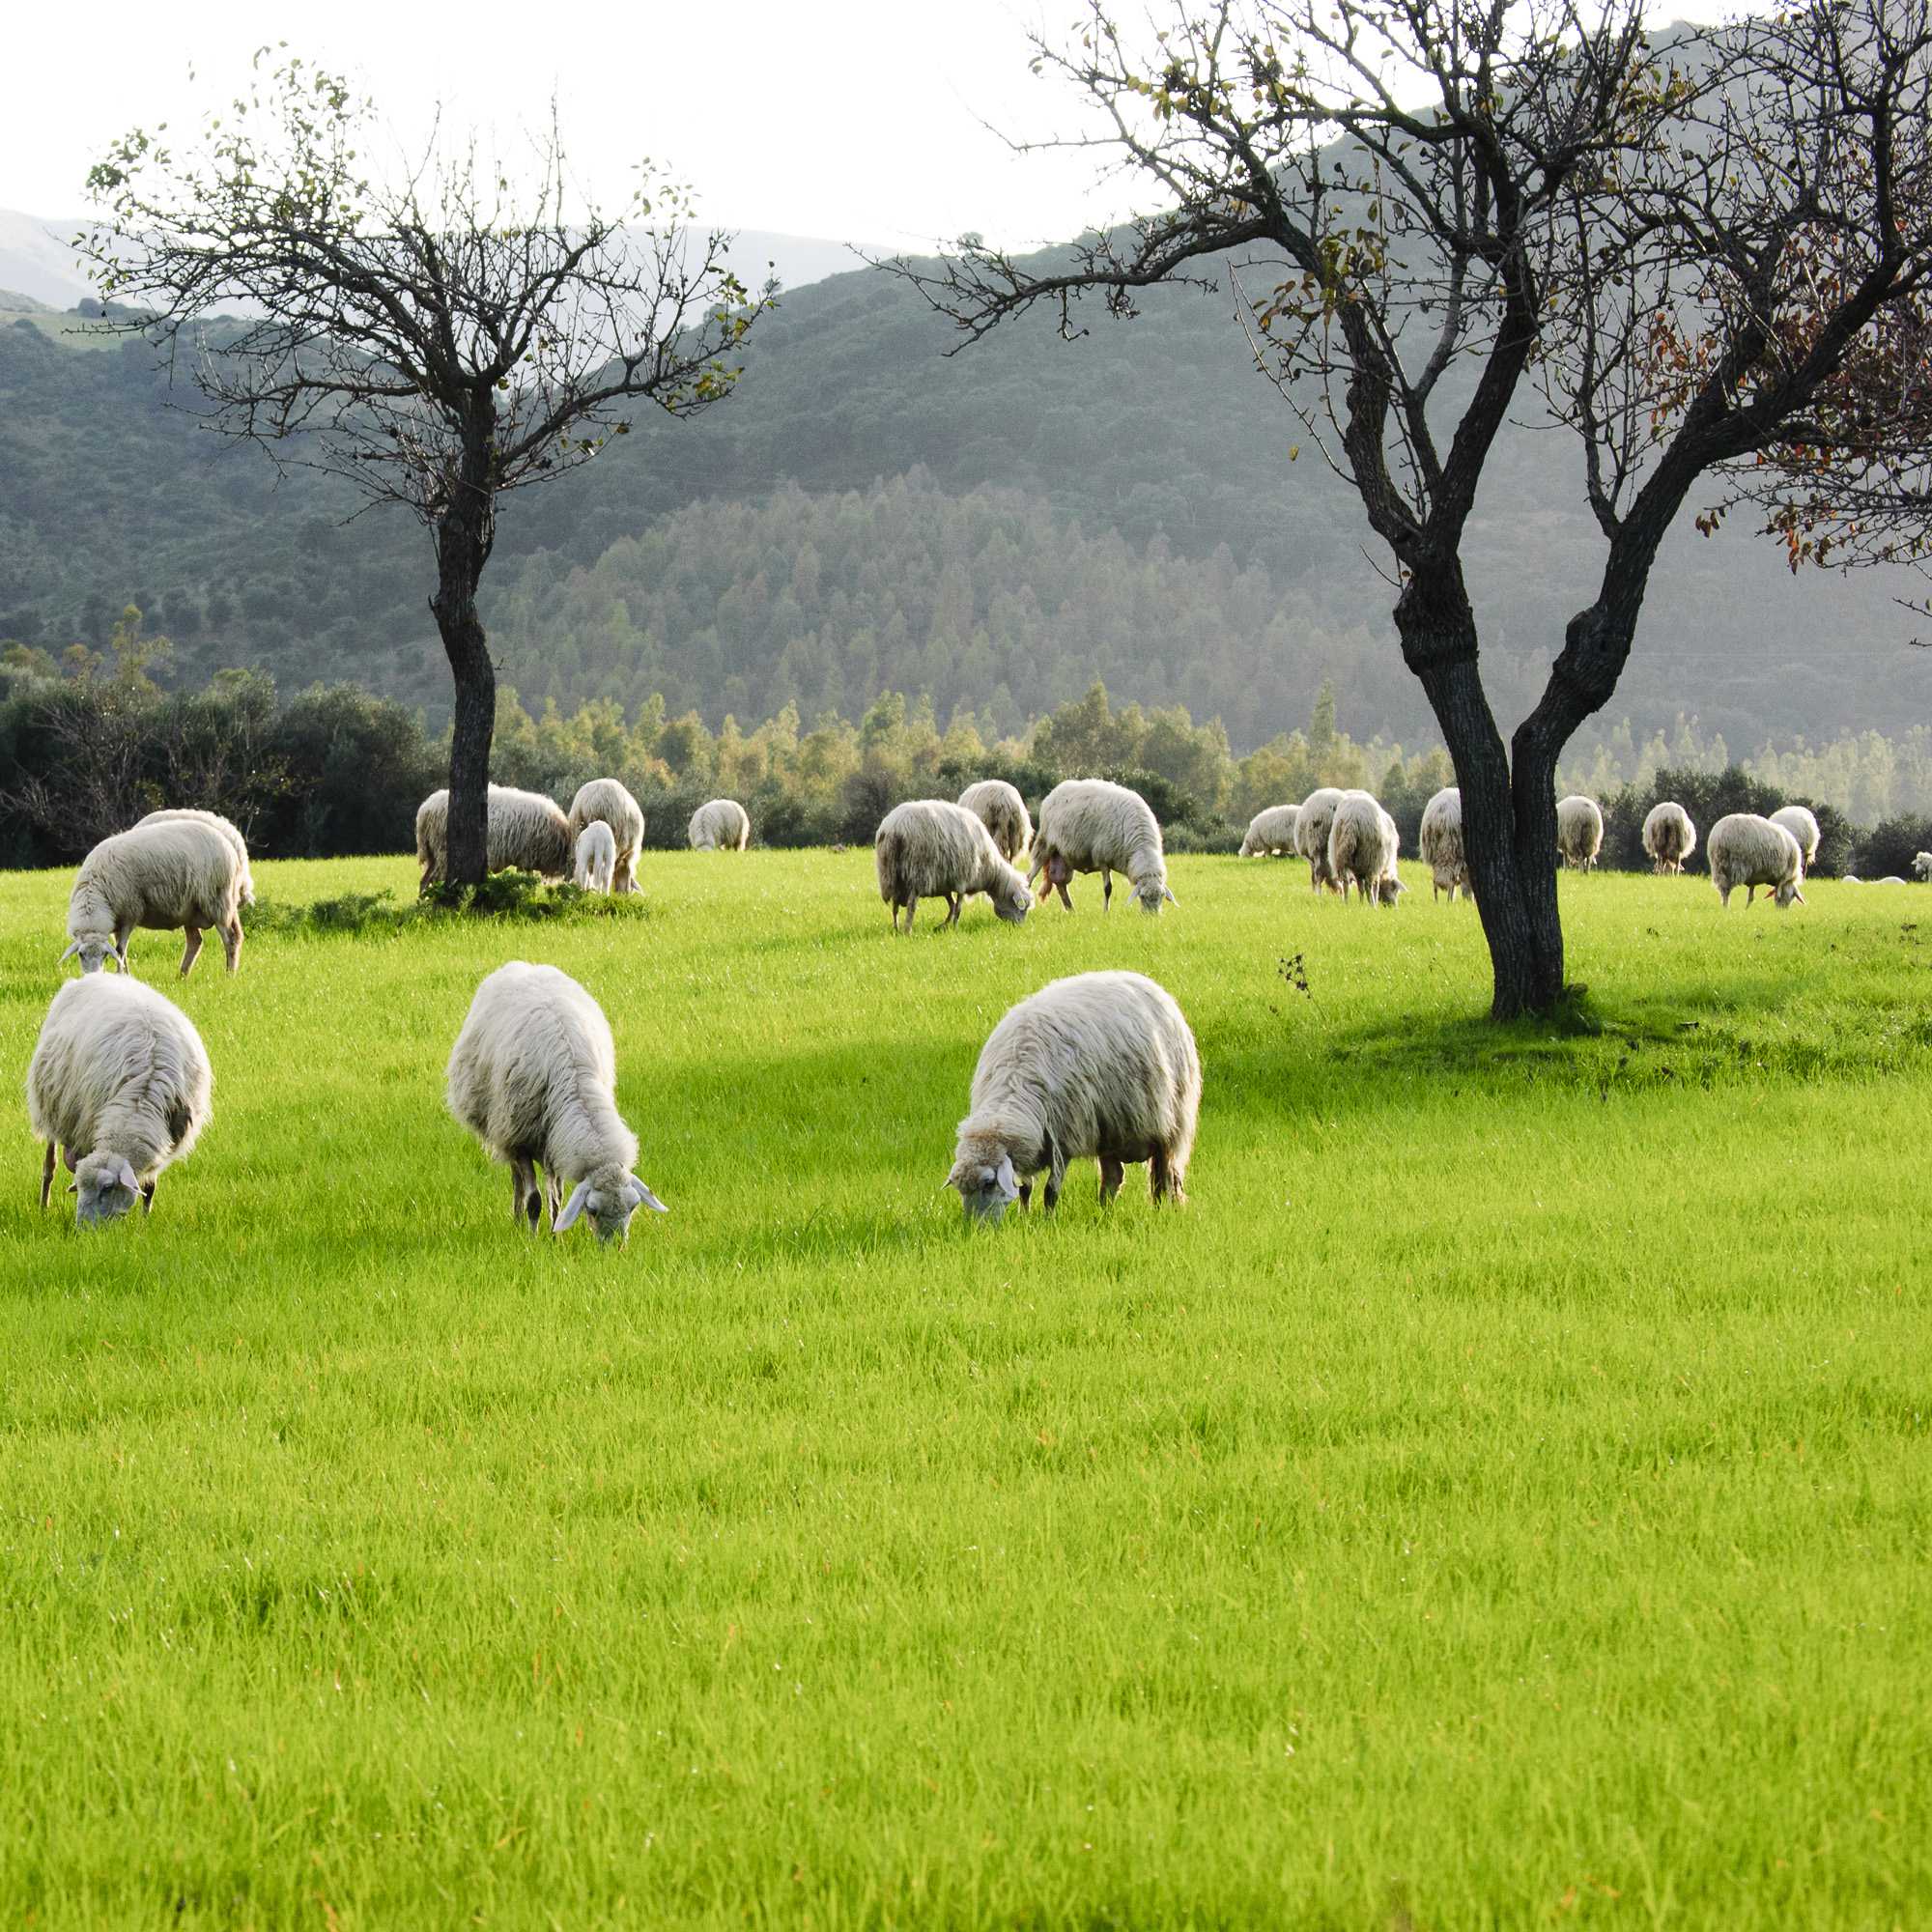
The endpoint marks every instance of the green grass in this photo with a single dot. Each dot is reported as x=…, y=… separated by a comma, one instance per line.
x=1499, y=1498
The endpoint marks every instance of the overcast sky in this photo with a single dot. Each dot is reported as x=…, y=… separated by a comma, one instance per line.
x=855, y=120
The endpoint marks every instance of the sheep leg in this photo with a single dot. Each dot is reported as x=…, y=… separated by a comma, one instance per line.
x=553, y=1197
x=231, y=941
x=148, y=1197
x=1106, y=889
x=121, y=935
x=1061, y=889
x=912, y=906
x=1111, y=1174
x=46, y=1177
x=524, y=1197
x=1162, y=1181
x=954, y=900
x=189, y=950
x=1025, y=1196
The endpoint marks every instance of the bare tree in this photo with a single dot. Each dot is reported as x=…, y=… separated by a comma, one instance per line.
x=1460, y=191
x=438, y=342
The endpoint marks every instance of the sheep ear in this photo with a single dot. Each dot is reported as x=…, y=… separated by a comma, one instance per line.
x=642, y=1197
x=124, y=1174
x=70, y=952
x=572, y=1207
x=1009, y=1188
x=1169, y=896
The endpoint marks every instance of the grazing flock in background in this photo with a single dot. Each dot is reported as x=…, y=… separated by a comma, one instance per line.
x=1101, y=1066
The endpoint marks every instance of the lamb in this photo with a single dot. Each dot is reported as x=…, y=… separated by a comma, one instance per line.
x=596, y=856
x=609, y=802
x=526, y=830
x=723, y=825
x=1362, y=847
x=230, y=831
x=1002, y=811
x=177, y=875
x=1441, y=844
x=1089, y=825
x=533, y=1077
x=1803, y=827
x=1580, y=831
x=1921, y=866
x=1668, y=836
x=1270, y=830
x=930, y=845
x=119, y=1083
x=1750, y=851
x=1101, y=1064
x=1310, y=833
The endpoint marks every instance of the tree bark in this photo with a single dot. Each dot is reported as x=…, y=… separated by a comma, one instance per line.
x=464, y=536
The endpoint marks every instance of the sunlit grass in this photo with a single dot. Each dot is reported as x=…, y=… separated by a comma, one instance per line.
x=1499, y=1498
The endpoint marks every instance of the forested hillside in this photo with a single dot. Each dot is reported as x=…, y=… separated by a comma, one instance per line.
x=997, y=528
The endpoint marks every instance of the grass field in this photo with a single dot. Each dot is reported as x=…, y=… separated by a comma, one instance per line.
x=1500, y=1498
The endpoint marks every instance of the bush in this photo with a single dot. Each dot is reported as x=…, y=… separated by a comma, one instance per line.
x=1892, y=847
x=1708, y=797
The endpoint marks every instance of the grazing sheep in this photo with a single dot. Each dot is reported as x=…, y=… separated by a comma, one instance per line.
x=1580, y=831
x=1803, y=827
x=609, y=802
x=930, y=846
x=596, y=856
x=533, y=1077
x=119, y=1083
x=1091, y=825
x=526, y=830
x=724, y=825
x=1441, y=844
x=1270, y=831
x=180, y=875
x=1750, y=851
x=1668, y=836
x=1002, y=811
x=228, y=830
x=1889, y=879
x=1310, y=833
x=1851, y=880
x=1102, y=1065
x=1362, y=847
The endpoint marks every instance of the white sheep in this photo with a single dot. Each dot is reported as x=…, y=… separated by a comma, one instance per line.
x=1002, y=811
x=119, y=1083
x=177, y=876
x=533, y=1077
x=930, y=847
x=227, y=828
x=1921, y=866
x=1312, y=827
x=1439, y=841
x=609, y=802
x=1803, y=827
x=1102, y=1065
x=1750, y=851
x=526, y=830
x=1580, y=831
x=1091, y=825
x=1270, y=831
x=1668, y=836
x=1362, y=847
x=720, y=825
x=596, y=856
x=1889, y=879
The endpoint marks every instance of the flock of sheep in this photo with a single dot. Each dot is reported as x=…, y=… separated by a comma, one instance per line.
x=1101, y=1066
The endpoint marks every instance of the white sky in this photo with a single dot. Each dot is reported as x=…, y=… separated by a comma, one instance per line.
x=853, y=120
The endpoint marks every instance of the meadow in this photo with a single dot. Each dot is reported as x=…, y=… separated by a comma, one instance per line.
x=1499, y=1498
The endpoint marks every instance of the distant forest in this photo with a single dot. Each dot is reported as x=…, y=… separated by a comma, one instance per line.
x=995, y=531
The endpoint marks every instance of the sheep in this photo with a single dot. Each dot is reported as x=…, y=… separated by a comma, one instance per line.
x=1362, y=847
x=723, y=825
x=526, y=830
x=1580, y=831
x=1441, y=844
x=1921, y=866
x=1668, y=836
x=1089, y=825
x=1002, y=811
x=930, y=845
x=1270, y=830
x=231, y=832
x=596, y=856
x=1102, y=1065
x=1310, y=833
x=609, y=802
x=1851, y=880
x=533, y=1077
x=180, y=874
x=119, y=1083
x=1750, y=851
x=1889, y=879
x=1803, y=827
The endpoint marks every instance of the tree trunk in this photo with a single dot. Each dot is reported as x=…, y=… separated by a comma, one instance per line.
x=1511, y=847
x=462, y=541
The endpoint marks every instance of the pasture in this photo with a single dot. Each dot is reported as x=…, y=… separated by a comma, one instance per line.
x=1499, y=1498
